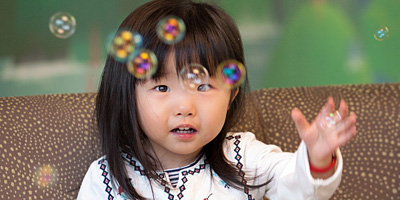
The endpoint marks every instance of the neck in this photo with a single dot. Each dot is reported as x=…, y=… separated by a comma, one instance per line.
x=170, y=160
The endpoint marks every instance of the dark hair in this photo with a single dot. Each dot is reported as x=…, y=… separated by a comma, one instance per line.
x=211, y=37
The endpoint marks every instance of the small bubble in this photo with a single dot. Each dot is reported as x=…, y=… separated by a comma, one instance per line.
x=382, y=33
x=143, y=64
x=46, y=176
x=171, y=29
x=231, y=73
x=62, y=25
x=124, y=44
x=193, y=76
x=330, y=120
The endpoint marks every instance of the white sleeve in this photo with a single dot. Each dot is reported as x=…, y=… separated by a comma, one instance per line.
x=96, y=184
x=289, y=172
x=294, y=180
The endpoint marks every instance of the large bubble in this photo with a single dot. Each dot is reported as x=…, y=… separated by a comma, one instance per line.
x=194, y=77
x=124, y=44
x=171, y=29
x=231, y=73
x=143, y=64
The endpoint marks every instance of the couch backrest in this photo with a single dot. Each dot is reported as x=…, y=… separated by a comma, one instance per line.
x=46, y=145
x=371, y=159
x=47, y=141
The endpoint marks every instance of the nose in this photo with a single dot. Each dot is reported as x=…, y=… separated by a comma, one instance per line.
x=184, y=105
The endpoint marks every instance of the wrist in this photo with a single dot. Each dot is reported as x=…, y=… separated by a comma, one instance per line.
x=324, y=167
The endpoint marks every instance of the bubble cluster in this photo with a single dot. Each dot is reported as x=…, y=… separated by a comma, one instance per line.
x=143, y=64
x=46, y=176
x=62, y=25
x=193, y=76
x=330, y=120
x=382, y=33
x=124, y=44
x=171, y=29
x=231, y=73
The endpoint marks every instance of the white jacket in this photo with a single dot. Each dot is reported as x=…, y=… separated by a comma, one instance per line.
x=290, y=173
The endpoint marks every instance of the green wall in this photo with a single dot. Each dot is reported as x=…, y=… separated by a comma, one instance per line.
x=287, y=43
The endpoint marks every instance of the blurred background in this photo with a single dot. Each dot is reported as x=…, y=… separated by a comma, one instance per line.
x=287, y=43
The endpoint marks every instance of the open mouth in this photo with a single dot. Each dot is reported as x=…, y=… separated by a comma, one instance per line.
x=184, y=130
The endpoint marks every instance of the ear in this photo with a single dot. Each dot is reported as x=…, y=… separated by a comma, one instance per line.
x=233, y=96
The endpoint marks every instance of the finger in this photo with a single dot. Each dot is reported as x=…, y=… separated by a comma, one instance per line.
x=343, y=109
x=346, y=124
x=346, y=137
x=331, y=103
x=300, y=121
x=329, y=107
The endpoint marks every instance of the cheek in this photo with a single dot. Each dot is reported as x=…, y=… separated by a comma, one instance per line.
x=149, y=106
x=146, y=113
x=216, y=115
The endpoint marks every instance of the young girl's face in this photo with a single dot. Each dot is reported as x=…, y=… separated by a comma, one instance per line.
x=177, y=122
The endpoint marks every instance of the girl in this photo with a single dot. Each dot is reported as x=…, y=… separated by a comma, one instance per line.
x=164, y=142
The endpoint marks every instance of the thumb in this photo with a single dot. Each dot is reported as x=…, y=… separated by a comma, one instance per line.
x=300, y=121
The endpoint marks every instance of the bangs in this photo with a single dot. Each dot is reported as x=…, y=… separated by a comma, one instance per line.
x=208, y=40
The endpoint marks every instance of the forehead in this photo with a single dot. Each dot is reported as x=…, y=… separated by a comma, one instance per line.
x=170, y=64
x=169, y=67
x=175, y=60
x=166, y=69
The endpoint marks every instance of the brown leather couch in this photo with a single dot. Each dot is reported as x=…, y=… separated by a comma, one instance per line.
x=47, y=141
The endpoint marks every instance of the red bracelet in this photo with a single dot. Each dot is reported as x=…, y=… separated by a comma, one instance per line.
x=325, y=169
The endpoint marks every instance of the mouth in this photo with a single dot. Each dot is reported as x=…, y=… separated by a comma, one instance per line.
x=184, y=130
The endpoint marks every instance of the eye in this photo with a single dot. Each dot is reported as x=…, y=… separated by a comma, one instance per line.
x=204, y=87
x=162, y=88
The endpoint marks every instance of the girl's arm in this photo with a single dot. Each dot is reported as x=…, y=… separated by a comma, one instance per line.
x=322, y=142
x=289, y=173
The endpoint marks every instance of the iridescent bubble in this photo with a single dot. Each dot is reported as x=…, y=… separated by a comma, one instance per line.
x=45, y=176
x=231, y=73
x=382, y=33
x=62, y=25
x=171, y=29
x=143, y=64
x=124, y=44
x=330, y=120
x=193, y=76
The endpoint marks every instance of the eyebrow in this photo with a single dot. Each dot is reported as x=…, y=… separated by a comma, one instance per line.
x=160, y=76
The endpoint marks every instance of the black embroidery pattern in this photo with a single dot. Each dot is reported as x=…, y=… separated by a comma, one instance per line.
x=166, y=188
x=239, y=165
x=189, y=172
x=106, y=180
x=132, y=162
x=142, y=172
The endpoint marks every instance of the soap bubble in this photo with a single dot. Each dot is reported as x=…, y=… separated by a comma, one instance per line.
x=382, y=33
x=143, y=64
x=45, y=176
x=330, y=120
x=171, y=29
x=231, y=73
x=62, y=25
x=194, y=75
x=124, y=44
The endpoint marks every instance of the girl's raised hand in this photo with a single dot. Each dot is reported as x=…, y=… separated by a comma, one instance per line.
x=322, y=141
